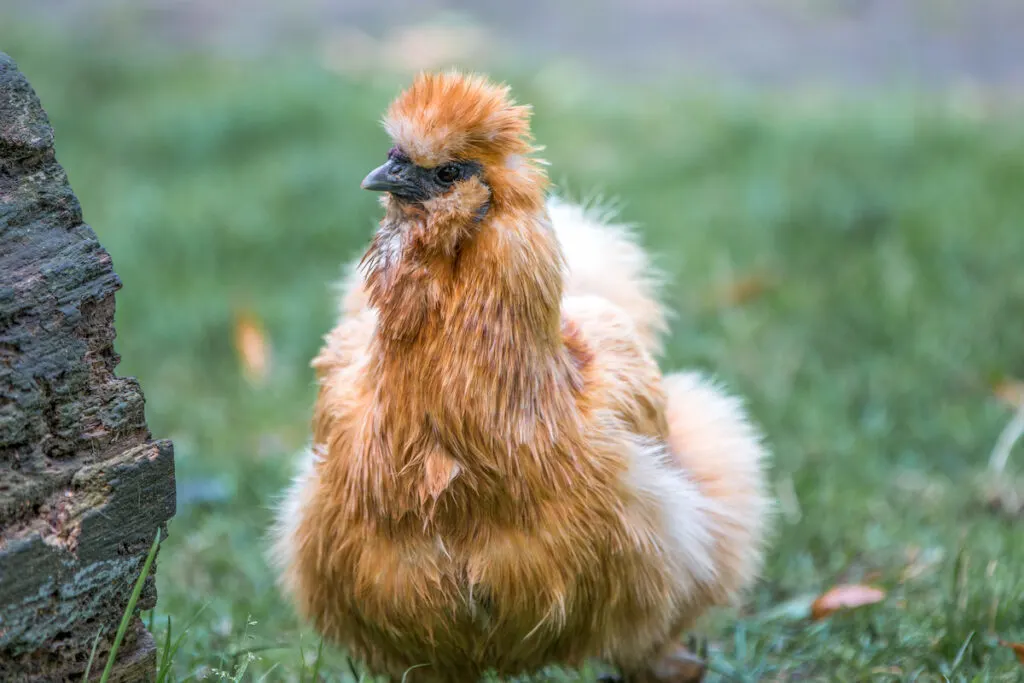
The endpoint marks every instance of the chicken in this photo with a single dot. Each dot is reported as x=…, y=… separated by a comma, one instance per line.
x=500, y=477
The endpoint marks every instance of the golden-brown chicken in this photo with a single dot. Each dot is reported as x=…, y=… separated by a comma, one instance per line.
x=500, y=477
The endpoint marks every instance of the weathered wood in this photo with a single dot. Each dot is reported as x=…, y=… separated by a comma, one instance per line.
x=83, y=488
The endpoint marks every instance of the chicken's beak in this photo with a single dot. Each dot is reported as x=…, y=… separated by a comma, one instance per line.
x=383, y=179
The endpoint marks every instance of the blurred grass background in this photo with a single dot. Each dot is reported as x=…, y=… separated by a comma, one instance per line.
x=850, y=262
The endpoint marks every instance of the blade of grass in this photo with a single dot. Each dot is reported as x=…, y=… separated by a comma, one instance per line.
x=411, y=668
x=165, y=654
x=269, y=671
x=167, y=661
x=724, y=669
x=740, y=642
x=129, y=610
x=240, y=671
x=235, y=654
x=92, y=654
x=352, y=669
x=960, y=655
x=1010, y=435
x=319, y=658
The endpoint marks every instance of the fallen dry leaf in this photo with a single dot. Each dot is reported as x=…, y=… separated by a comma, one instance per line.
x=745, y=289
x=1018, y=649
x=252, y=347
x=1009, y=391
x=847, y=596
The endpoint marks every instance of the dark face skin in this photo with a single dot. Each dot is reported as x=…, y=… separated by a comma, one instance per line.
x=416, y=184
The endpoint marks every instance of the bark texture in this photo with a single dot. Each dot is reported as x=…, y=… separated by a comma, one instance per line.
x=83, y=487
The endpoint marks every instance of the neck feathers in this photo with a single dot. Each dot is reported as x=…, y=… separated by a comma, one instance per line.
x=469, y=331
x=430, y=267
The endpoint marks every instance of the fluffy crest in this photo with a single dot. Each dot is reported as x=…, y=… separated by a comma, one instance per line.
x=444, y=116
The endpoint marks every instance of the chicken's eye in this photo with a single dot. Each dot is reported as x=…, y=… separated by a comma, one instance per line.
x=448, y=173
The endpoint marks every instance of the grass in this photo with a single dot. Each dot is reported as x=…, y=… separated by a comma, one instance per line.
x=852, y=267
x=126, y=618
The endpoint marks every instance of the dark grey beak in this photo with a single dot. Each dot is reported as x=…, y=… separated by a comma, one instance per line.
x=384, y=178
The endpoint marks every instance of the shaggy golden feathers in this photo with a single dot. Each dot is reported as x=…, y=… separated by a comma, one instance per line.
x=448, y=116
x=500, y=476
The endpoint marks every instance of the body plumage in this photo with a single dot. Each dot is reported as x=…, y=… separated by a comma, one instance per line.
x=500, y=477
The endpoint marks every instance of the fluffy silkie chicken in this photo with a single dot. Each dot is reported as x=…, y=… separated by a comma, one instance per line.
x=500, y=477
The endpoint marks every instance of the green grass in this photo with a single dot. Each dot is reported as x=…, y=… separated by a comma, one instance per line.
x=888, y=234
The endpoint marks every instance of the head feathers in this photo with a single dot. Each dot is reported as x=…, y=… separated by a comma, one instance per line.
x=445, y=116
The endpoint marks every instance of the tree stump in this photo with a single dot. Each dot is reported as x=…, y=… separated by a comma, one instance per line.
x=83, y=487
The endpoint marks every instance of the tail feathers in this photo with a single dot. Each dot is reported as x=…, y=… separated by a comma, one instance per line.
x=721, y=452
x=604, y=259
